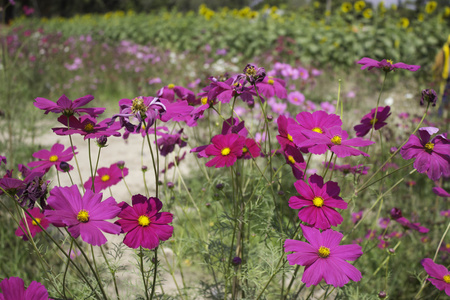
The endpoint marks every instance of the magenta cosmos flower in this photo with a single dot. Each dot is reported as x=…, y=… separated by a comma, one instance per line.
x=106, y=177
x=144, y=224
x=432, y=156
x=225, y=149
x=334, y=139
x=87, y=127
x=85, y=215
x=385, y=65
x=168, y=92
x=13, y=288
x=318, y=121
x=271, y=86
x=440, y=273
x=68, y=107
x=323, y=257
x=52, y=157
x=317, y=202
x=368, y=120
x=32, y=225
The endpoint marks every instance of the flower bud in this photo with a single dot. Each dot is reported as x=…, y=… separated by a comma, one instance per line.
x=121, y=164
x=430, y=96
x=64, y=166
x=101, y=141
x=236, y=261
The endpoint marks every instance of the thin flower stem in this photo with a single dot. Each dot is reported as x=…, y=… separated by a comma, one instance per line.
x=339, y=98
x=90, y=165
x=327, y=167
x=141, y=255
x=376, y=109
x=393, y=154
x=155, y=270
x=65, y=270
x=385, y=260
x=292, y=281
x=172, y=272
x=327, y=295
x=386, y=175
x=70, y=177
x=76, y=161
x=376, y=202
x=157, y=162
x=153, y=161
x=125, y=182
x=57, y=176
x=113, y=273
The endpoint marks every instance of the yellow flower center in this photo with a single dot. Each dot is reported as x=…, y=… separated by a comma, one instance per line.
x=446, y=278
x=251, y=71
x=336, y=140
x=105, y=177
x=290, y=137
x=35, y=223
x=447, y=246
x=89, y=127
x=291, y=159
x=143, y=221
x=138, y=106
x=244, y=150
x=53, y=158
x=171, y=86
x=317, y=129
x=204, y=100
x=225, y=151
x=373, y=121
x=318, y=201
x=83, y=216
x=429, y=146
x=270, y=81
x=324, y=252
x=389, y=61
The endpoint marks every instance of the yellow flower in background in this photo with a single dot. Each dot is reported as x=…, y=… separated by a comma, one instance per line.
x=360, y=5
x=447, y=11
x=430, y=7
x=404, y=22
x=336, y=45
x=368, y=13
x=420, y=17
x=394, y=7
x=346, y=7
x=316, y=4
x=323, y=40
x=327, y=13
x=396, y=44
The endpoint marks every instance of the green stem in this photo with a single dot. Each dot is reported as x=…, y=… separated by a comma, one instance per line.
x=376, y=109
x=154, y=273
x=141, y=255
x=65, y=270
x=113, y=273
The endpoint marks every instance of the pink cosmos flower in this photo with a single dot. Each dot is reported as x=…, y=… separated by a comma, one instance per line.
x=441, y=192
x=323, y=257
x=334, y=139
x=168, y=92
x=445, y=213
x=284, y=138
x=144, y=224
x=440, y=273
x=106, y=178
x=226, y=90
x=32, y=225
x=318, y=121
x=68, y=107
x=356, y=216
x=432, y=156
x=296, y=98
x=294, y=158
x=87, y=127
x=385, y=65
x=367, y=121
x=13, y=288
x=225, y=149
x=251, y=149
x=177, y=111
x=54, y=157
x=271, y=86
x=317, y=202
x=84, y=215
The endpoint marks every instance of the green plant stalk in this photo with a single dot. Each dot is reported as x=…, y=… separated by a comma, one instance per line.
x=393, y=154
x=65, y=271
x=125, y=182
x=76, y=160
x=172, y=272
x=141, y=256
x=378, y=104
x=155, y=269
x=90, y=165
x=153, y=161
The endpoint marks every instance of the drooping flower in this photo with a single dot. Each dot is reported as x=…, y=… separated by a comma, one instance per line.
x=429, y=95
x=368, y=120
x=252, y=74
x=271, y=86
x=32, y=225
x=294, y=158
x=317, y=202
x=144, y=225
x=106, y=178
x=84, y=215
x=432, y=156
x=169, y=91
x=440, y=274
x=225, y=149
x=441, y=192
x=52, y=157
x=323, y=257
x=385, y=65
x=13, y=288
x=87, y=127
x=68, y=107
x=167, y=142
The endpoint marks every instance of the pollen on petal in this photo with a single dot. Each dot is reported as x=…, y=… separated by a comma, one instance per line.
x=225, y=151
x=143, y=221
x=337, y=140
x=318, y=201
x=291, y=159
x=446, y=278
x=83, y=216
x=35, y=223
x=171, y=86
x=324, y=252
x=290, y=137
x=317, y=129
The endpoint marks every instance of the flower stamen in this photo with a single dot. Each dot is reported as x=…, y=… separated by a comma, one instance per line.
x=53, y=158
x=324, y=252
x=143, y=221
x=225, y=151
x=83, y=216
x=318, y=201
